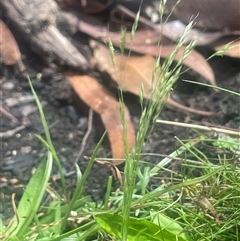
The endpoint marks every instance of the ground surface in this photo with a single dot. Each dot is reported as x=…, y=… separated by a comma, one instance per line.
x=67, y=117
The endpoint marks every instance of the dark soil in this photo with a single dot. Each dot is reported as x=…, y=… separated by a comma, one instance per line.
x=67, y=117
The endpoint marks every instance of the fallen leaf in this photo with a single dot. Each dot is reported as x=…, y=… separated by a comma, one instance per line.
x=133, y=72
x=172, y=102
x=102, y=101
x=142, y=38
x=206, y=205
x=232, y=51
x=9, y=51
x=174, y=30
x=115, y=171
x=214, y=14
x=194, y=60
x=146, y=42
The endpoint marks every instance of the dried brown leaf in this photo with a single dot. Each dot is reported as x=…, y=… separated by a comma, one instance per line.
x=115, y=171
x=98, y=29
x=214, y=14
x=9, y=51
x=206, y=205
x=175, y=30
x=130, y=72
x=232, y=51
x=142, y=38
x=101, y=101
x=133, y=72
x=146, y=42
x=195, y=60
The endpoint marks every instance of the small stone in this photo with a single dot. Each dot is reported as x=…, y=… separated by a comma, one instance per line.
x=28, y=109
x=11, y=102
x=8, y=86
x=73, y=213
x=82, y=123
x=26, y=98
x=70, y=136
x=72, y=115
x=26, y=149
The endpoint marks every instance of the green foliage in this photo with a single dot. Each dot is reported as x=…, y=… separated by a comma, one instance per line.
x=181, y=207
x=79, y=189
x=215, y=87
x=48, y=143
x=30, y=201
x=138, y=229
x=169, y=224
x=26, y=221
x=228, y=143
x=163, y=78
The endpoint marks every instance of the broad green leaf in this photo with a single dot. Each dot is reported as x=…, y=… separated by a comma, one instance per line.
x=138, y=229
x=31, y=199
x=167, y=223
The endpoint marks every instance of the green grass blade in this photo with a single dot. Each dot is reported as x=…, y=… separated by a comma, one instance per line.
x=79, y=189
x=158, y=192
x=48, y=136
x=176, y=153
x=49, y=217
x=31, y=199
x=83, y=232
x=214, y=87
x=108, y=192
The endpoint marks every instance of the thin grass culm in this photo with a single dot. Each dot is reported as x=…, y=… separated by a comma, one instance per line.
x=130, y=171
x=163, y=78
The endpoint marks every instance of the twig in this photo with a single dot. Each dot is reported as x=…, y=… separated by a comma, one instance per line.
x=84, y=140
x=10, y=133
x=160, y=155
x=205, y=128
x=8, y=114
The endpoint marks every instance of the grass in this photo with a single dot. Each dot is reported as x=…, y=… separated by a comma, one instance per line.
x=199, y=201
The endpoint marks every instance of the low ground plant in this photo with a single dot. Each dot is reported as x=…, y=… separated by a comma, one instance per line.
x=198, y=201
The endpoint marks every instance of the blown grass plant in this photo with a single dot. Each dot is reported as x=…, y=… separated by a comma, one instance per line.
x=200, y=201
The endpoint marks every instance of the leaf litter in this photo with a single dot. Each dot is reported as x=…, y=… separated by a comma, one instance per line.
x=151, y=40
x=103, y=102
